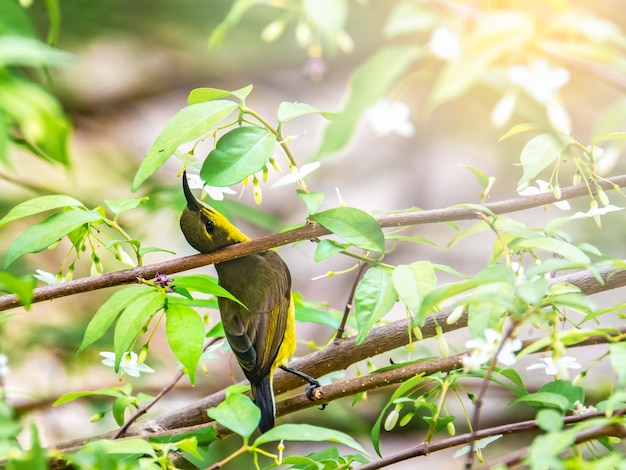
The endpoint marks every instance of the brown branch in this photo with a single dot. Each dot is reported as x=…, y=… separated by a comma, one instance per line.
x=306, y=232
x=338, y=356
x=427, y=448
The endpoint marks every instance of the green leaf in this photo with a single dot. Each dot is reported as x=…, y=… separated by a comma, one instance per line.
x=373, y=299
x=486, y=306
x=238, y=154
x=518, y=129
x=188, y=124
x=133, y=446
x=185, y=334
x=119, y=408
x=481, y=176
x=41, y=236
x=370, y=82
x=43, y=129
x=238, y=413
x=566, y=389
x=38, y=205
x=354, y=226
x=545, y=400
x=549, y=420
x=237, y=10
x=103, y=392
x=538, y=154
x=29, y=52
x=205, y=284
x=288, y=111
x=201, y=95
x=22, y=287
x=560, y=247
x=124, y=204
x=327, y=248
x=308, y=433
x=109, y=311
x=131, y=321
x=413, y=282
x=312, y=200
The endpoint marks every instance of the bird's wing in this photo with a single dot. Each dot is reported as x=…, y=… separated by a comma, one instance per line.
x=255, y=335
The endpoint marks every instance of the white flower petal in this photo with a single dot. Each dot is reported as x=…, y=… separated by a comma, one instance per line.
x=444, y=44
x=503, y=110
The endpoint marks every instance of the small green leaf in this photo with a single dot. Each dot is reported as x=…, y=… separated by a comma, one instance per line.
x=22, y=287
x=308, y=433
x=312, y=200
x=288, y=111
x=413, y=282
x=573, y=393
x=354, y=226
x=38, y=205
x=103, y=392
x=132, y=446
x=119, y=408
x=205, y=284
x=518, y=129
x=549, y=420
x=327, y=248
x=123, y=204
x=188, y=124
x=131, y=321
x=109, y=311
x=238, y=413
x=185, y=334
x=238, y=154
x=545, y=400
x=560, y=247
x=41, y=236
x=202, y=95
x=538, y=154
x=481, y=176
x=373, y=299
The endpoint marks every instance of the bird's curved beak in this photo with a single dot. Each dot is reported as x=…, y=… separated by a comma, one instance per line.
x=192, y=202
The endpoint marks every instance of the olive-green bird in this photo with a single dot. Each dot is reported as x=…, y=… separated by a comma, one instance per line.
x=262, y=337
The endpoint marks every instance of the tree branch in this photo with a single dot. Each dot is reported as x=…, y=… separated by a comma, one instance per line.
x=307, y=232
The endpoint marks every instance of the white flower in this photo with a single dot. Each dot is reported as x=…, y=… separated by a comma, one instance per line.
x=297, y=174
x=4, y=366
x=128, y=364
x=48, y=278
x=539, y=80
x=582, y=409
x=387, y=117
x=597, y=211
x=543, y=187
x=215, y=193
x=556, y=366
x=444, y=44
x=484, y=349
x=542, y=82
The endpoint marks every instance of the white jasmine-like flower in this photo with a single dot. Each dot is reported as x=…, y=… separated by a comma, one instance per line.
x=543, y=187
x=539, y=80
x=556, y=366
x=597, y=211
x=215, y=193
x=48, y=278
x=128, y=364
x=444, y=44
x=542, y=82
x=297, y=174
x=388, y=117
x=4, y=366
x=485, y=348
x=582, y=409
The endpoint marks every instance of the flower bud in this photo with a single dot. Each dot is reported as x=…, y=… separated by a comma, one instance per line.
x=273, y=31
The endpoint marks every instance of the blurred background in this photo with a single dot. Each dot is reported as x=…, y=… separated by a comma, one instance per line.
x=134, y=64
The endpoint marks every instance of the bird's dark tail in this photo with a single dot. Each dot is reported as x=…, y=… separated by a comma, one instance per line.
x=264, y=399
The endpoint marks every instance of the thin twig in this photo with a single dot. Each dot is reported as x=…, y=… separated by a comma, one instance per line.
x=346, y=312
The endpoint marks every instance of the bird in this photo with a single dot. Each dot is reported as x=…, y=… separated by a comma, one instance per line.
x=262, y=334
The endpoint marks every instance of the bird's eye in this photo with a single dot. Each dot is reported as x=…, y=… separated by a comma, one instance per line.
x=209, y=225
